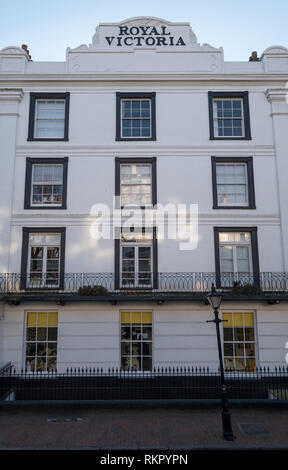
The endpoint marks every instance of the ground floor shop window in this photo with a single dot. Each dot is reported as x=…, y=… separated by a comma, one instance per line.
x=41, y=341
x=136, y=341
x=239, y=340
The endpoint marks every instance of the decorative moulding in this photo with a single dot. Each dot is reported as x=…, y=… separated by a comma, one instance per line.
x=134, y=43
x=14, y=50
x=165, y=29
x=275, y=50
x=275, y=59
x=13, y=59
x=277, y=94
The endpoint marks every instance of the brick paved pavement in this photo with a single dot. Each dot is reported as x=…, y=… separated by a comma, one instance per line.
x=137, y=428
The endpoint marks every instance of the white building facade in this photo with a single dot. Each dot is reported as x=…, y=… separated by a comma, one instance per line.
x=148, y=114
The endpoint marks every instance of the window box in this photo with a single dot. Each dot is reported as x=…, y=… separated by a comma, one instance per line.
x=48, y=116
x=229, y=116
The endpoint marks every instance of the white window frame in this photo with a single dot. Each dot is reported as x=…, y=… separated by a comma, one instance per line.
x=38, y=204
x=43, y=282
x=255, y=342
x=240, y=204
x=46, y=119
x=47, y=341
x=235, y=275
x=134, y=372
x=134, y=165
x=136, y=246
x=135, y=118
x=216, y=118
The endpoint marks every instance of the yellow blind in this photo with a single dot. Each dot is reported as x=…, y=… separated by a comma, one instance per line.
x=31, y=319
x=238, y=320
x=228, y=320
x=248, y=319
x=52, y=319
x=42, y=319
x=147, y=318
x=125, y=317
x=136, y=318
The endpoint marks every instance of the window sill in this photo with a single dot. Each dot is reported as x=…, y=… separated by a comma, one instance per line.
x=234, y=207
x=230, y=138
x=134, y=139
x=46, y=207
x=46, y=139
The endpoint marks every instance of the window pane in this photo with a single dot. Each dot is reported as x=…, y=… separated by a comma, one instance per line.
x=135, y=118
x=128, y=252
x=50, y=109
x=125, y=348
x=47, y=184
x=136, y=183
x=41, y=334
x=52, y=334
x=228, y=349
x=242, y=259
x=249, y=334
x=231, y=111
x=144, y=252
x=125, y=332
x=241, y=338
x=136, y=332
x=227, y=333
x=48, y=128
x=226, y=259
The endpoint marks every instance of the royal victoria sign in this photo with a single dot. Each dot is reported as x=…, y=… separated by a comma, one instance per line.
x=138, y=36
x=144, y=44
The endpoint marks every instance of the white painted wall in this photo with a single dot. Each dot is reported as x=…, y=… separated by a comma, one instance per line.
x=89, y=334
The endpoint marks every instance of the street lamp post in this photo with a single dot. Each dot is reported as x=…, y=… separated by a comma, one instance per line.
x=214, y=298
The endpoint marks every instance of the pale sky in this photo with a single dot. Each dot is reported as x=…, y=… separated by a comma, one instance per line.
x=49, y=27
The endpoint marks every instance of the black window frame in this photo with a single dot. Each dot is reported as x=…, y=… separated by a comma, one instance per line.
x=117, y=247
x=24, y=256
x=246, y=114
x=254, y=252
x=250, y=180
x=49, y=96
x=152, y=97
x=28, y=181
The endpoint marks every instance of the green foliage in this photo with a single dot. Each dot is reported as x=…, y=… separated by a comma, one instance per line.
x=245, y=289
x=92, y=290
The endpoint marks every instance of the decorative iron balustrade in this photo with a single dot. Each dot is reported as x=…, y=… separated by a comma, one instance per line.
x=171, y=383
x=170, y=282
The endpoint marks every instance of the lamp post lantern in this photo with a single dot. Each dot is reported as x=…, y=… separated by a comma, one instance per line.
x=214, y=298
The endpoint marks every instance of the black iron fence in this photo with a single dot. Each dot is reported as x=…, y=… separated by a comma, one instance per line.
x=160, y=384
x=178, y=282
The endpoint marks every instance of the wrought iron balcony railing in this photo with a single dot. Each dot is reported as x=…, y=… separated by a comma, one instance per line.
x=99, y=284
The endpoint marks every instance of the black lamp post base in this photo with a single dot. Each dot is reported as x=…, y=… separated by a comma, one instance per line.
x=227, y=427
x=228, y=436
